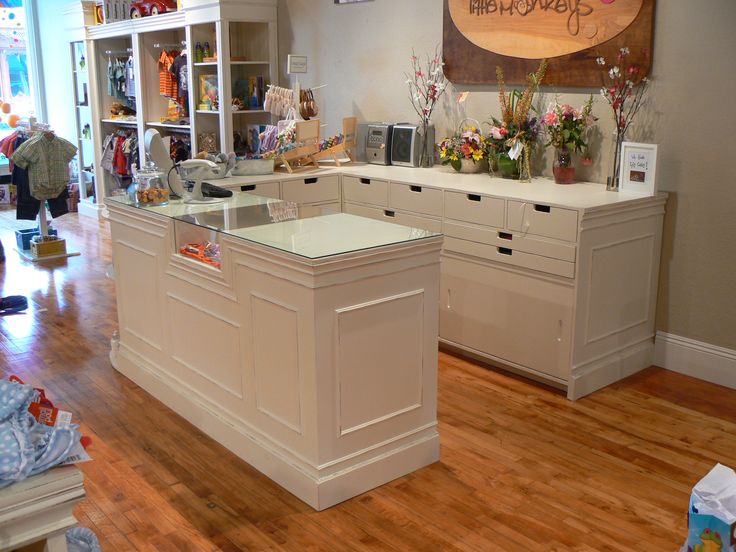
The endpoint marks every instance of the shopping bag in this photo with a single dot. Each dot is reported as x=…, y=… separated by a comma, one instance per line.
x=712, y=512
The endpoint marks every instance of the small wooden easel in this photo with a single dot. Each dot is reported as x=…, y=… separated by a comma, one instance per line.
x=349, y=132
x=307, y=140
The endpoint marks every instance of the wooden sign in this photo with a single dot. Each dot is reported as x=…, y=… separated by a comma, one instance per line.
x=516, y=34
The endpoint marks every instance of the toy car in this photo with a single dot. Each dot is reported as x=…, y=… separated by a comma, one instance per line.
x=151, y=7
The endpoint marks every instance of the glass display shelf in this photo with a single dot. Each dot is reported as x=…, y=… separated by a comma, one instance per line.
x=311, y=232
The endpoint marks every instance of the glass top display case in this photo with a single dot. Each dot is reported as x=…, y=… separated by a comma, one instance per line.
x=310, y=232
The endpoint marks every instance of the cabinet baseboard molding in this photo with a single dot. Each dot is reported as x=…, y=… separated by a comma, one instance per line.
x=696, y=358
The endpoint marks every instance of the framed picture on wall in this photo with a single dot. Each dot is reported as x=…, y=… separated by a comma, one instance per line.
x=639, y=167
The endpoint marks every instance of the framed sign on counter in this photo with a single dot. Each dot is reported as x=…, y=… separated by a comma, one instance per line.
x=639, y=167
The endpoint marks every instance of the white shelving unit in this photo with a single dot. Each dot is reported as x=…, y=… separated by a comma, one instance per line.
x=246, y=29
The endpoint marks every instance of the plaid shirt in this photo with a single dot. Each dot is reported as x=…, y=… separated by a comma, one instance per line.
x=46, y=158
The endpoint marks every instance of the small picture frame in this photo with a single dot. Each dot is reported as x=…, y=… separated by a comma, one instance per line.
x=638, y=167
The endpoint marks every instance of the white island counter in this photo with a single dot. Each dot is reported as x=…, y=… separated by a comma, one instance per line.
x=307, y=346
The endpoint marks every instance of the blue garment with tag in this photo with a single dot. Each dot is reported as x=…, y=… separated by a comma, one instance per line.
x=26, y=446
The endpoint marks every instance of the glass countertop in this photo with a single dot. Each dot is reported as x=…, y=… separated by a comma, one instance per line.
x=307, y=231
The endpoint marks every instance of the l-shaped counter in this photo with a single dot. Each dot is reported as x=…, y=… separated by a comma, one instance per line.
x=310, y=350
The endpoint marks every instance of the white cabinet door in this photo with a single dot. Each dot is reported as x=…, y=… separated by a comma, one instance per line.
x=518, y=318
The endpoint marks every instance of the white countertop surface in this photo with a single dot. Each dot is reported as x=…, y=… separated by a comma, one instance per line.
x=582, y=195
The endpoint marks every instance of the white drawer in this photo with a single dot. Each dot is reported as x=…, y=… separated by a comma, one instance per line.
x=417, y=199
x=311, y=189
x=365, y=190
x=543, y=220
x=510, y=256
x=478, y=209
x=265, y=189
x=546, y=247
x=396, y=217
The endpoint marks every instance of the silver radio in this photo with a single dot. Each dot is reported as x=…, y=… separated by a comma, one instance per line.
x=378, y=143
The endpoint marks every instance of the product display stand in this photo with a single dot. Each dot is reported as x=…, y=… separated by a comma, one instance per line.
x=349, y=128
x=43, y=224
x=307, y=136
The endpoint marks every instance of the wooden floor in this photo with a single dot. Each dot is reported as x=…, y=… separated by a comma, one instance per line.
x=521, y=467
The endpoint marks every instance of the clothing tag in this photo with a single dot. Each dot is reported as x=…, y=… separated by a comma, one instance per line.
x=516, y=150
x=49, y=415
x=76, y=455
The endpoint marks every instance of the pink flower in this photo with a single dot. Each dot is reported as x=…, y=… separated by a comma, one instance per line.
x=419, y=74
x=498, y=132
x=550, y=118
x=413, y=58
x=567, y=109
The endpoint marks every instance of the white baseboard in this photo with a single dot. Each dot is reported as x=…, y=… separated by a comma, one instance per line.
x=695, y=358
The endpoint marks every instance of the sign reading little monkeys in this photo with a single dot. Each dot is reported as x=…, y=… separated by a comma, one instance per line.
x=516, y=34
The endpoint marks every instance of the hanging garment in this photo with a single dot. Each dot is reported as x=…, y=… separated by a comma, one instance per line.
x=168, y=83
x=7, y=147
x=46, y=157
x=108, y=151
x=129, y=79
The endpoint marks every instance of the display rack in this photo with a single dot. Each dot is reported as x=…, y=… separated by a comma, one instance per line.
x=243, y=39
x=307, y=140
x=346, y=147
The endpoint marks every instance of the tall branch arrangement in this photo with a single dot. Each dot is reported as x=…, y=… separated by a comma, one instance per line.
x=624, y=89
x=426, y=84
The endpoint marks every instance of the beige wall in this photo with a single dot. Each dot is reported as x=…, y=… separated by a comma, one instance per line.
x=361, y=51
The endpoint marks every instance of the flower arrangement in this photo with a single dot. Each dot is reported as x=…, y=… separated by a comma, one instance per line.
x=624, y=88
x=466, y=144
x=513, y=135
x=566, y=126
x=426, y=86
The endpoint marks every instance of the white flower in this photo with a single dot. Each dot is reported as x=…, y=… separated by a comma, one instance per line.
x=409, y=81
x=601, y=60
x=614, y=72
x=603, y=92
x=625, y=51
x=629, y=84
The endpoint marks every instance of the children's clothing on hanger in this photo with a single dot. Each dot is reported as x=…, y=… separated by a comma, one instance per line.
x=46, y=157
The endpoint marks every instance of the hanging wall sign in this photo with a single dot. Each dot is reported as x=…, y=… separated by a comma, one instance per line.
x=516, y=34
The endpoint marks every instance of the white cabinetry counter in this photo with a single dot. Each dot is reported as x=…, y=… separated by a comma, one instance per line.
x=307, y=346
x=556, y=282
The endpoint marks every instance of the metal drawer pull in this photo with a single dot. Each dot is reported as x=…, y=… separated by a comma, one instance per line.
x=505, y=236
x=473, y=197
x=248, y=188
x=542, y=208
x=389, y=213
x=415, y=188
x=505, y=251
x=310, y=180
x=365, y=180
